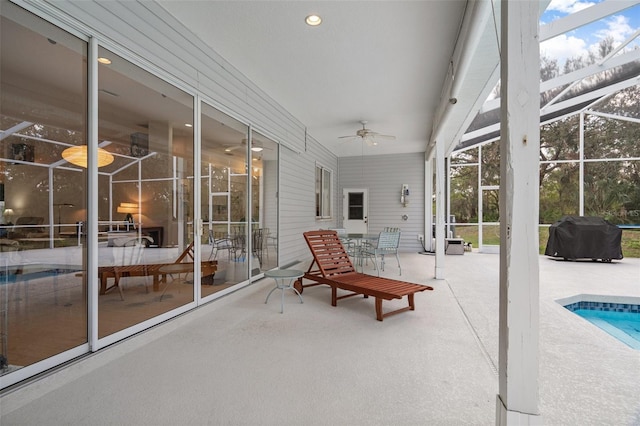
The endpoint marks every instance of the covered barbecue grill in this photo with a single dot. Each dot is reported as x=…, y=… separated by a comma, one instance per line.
x=583, y=237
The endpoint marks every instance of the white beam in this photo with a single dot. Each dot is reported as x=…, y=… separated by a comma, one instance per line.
x=583, y=17
x=578, y=75
x=594, y=95
x=15, y=129
x=440, y=202
x=428, y=205
x=614, y=117
x=517, y=399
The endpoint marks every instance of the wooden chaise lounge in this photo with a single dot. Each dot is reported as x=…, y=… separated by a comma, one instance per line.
x=209, y=269
x=331, y=266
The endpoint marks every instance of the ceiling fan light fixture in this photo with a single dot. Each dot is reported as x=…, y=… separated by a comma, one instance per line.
x=256, y=148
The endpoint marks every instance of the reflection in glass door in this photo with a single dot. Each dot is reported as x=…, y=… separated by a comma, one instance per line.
x=43, y=197
x=223, y=198
x=264, y=203
x=146, y=246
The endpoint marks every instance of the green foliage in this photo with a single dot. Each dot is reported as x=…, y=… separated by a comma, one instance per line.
x=630, y=239
x=611, y=169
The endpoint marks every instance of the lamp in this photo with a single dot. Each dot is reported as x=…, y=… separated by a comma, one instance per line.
x=7, y=214
x=78, y=155
x=128, y=208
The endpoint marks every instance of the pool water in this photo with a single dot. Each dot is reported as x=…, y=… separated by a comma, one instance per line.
x=624, y=326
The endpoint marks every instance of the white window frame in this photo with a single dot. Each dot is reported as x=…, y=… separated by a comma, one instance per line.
x=323, y=211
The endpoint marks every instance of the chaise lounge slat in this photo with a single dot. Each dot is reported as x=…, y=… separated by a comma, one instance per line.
x=332, y=266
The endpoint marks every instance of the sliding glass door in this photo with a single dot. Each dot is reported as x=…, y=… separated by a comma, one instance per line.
x=145, y=207
x=43, y=256
x=223, y=199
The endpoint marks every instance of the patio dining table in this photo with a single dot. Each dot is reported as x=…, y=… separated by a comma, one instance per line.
x=360, y=241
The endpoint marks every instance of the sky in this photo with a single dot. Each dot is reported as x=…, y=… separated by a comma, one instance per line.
x=580, y=41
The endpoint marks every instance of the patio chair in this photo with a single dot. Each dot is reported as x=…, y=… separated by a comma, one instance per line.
x=218, y=244
x=257, y=243
x=239, y=242
x=388, y=243
x=130, y=255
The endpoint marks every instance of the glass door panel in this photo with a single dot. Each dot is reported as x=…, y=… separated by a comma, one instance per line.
x=43, y=199
x=223, y=199
x=264, y=203
x=146, y=196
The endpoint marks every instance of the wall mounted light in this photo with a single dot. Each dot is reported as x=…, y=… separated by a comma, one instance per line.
x=404, y=195
x=78, y=155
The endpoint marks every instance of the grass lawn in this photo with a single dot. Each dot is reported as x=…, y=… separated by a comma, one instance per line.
x=630, y=238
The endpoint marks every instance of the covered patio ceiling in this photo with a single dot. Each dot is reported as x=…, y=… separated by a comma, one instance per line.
x=417, y=70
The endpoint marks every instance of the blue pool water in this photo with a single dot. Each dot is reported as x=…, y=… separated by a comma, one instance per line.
x=624, y=326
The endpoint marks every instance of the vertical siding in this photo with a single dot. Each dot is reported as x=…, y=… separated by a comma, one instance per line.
x=384, y=175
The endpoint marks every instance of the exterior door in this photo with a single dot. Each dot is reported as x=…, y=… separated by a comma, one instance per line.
x=355, y=207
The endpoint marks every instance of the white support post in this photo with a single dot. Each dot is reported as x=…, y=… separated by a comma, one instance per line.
x=517, y=400
x=581, y=166
x=440, y=202
x=428, y=205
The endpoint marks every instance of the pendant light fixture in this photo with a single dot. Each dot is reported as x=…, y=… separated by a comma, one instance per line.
x=78, y=155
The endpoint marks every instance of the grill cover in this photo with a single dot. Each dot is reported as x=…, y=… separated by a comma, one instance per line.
x=582, y=237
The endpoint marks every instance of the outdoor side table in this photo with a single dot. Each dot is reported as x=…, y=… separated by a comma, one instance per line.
x=284, y=279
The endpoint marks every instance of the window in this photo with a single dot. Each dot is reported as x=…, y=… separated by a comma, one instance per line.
x=323, y=192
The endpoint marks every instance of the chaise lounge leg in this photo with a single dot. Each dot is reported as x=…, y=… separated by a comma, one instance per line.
x=379, y=315
x=412, y=305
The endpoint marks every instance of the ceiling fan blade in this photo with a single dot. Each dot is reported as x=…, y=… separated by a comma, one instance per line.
x=345, y=137
x=388, y=137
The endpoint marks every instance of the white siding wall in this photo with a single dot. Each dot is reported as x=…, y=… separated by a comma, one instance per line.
x=297, y=200
x=384, y=175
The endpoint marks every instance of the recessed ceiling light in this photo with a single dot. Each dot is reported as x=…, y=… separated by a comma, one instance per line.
x=105, y=61
x=313, y=20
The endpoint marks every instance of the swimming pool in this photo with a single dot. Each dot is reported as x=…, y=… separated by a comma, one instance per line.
x=620, y=320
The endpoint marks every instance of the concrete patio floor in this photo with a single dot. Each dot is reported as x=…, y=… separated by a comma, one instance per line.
x=240, y=361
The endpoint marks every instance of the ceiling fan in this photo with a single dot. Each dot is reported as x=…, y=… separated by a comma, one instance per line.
x=368, y=135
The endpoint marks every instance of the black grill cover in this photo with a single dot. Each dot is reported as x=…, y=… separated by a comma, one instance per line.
x=580, y=237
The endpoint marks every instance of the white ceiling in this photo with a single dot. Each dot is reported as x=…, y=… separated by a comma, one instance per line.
x=381, y=61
